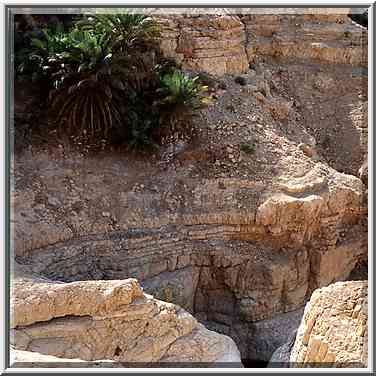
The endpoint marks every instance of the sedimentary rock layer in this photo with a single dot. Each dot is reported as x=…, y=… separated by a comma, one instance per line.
x=226, y=42
x=229, y=266
x=107, y=320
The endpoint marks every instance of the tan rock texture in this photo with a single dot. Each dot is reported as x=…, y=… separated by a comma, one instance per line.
x=334, y=328
x=28, y=359
x=238, y=238
x=211, y=43
x=223, y=42
x=329, y=38
x=230, y=237
x=231, y=265
x=107, y=320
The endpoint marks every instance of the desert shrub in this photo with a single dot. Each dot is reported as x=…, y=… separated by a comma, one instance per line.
x=124, y=32
x=247, y=148
x=181, y=96
x=82, y=95
x=108, y=80
x=35, y=42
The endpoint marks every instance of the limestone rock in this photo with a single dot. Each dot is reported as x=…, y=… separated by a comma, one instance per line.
x=363, y=172
x=307, y=150
x=216, y=260
x=281, y=357
x=177, y=287
x=28, y=359
x=279, y=109
x=238, y=240
x=220, y=42
x=330, y=38
x=334, y=329
x=107, y=320
x=269, y=335
x=211, y=43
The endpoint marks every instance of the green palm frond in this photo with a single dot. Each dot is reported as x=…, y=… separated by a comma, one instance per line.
x=108, y=80
x=179, y=89
x=122, y=31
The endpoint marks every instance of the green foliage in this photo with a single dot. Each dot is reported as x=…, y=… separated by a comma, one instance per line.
x=181, y=90
x=181, y=97
x=107, y=80
x=247, y=148
x=57, y=54
x=123, y=32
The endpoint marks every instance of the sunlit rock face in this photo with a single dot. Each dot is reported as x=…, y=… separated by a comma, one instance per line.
x=239, y=239
x=114, y=320
x=334, y=328
x=211, y=43
x=226, y=42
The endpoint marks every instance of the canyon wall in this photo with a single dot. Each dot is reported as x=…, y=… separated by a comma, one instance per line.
x=239, y=240
x=223, y=42
x=334, y=327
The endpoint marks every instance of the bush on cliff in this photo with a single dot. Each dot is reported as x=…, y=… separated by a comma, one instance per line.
x=107, y=80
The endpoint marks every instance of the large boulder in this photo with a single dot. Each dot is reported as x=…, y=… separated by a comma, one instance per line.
x=107, y=320
x=334, y=329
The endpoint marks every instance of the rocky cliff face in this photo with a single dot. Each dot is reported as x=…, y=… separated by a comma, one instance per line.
x=331, y=38
x=211, y=43
x=223, y=42
x=239, y=237
x=116, y=321
x=334, y=329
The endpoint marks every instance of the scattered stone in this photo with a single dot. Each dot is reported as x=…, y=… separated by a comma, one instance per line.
x=250, y=89
x=279, y=108
x=252, y=73
x=267, y=74
x=308, y=150
x=53, y=201
x=259, y=96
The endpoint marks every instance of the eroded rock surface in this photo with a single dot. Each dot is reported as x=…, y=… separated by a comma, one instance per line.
x=211, y=43
x=331, y=37
x=107, y=320
x=222, y=41
x=238, y=226
x=228, y=265
x=334, y=329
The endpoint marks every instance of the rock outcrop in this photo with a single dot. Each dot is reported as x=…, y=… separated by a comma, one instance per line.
x=223, y=41
x=281, y=357
x=107, y=320
x=334, y=330
x=211, y=43
x=331, y=38
x=228, y=265
x=238, y=227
